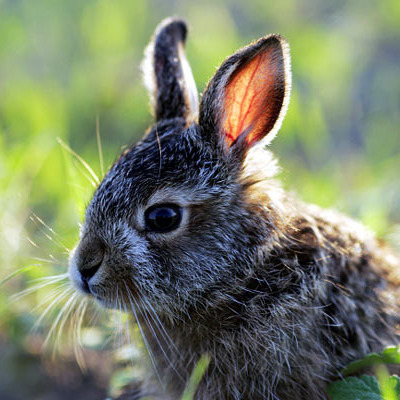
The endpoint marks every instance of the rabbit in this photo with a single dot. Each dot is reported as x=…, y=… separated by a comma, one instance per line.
x=192, y=232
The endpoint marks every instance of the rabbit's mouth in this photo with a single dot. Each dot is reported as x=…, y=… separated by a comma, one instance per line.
x=110, y=293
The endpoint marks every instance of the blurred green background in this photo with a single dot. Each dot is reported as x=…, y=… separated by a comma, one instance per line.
x=64, y=64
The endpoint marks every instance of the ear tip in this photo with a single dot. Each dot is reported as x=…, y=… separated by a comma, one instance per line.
x=274, y=39
x=280, y=44
x=172, y=26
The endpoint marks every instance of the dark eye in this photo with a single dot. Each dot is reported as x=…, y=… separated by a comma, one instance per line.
x=163, y=217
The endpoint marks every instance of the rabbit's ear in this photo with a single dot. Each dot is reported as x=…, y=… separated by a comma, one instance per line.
x=247, y=98
x=167, y=73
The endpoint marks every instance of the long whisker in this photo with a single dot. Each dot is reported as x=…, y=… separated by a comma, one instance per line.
x=41, y=282
x=58, y=241
x=114, y=316
x=160, y=345
x=133, y=308
x=50, y=307
x=128, y=331
x=66, y=317
x=65, y=307
x=65, y=314
x=153, y=315
x=51, y=295
x=50, y=277
x=32, y=242
x=119, y=332
x=94, y=318
x=78, y=321
x=45, y=260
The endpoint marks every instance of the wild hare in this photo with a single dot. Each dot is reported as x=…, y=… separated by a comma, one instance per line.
x=190, y=230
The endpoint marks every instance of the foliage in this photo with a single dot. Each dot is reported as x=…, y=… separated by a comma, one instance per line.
x=390, y=355
x=366, y=387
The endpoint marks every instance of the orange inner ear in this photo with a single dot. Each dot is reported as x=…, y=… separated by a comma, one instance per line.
x=253, y=97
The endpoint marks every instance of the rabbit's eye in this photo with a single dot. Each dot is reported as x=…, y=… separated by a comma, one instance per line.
x=163, y=217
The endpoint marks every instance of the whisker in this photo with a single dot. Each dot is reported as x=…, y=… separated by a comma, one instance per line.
x=51, y=295
x=32, y=242
x=65, y=314
x=55, y=259
x=42, y=282
x=78, y=345
x=57, y=300
x=94, y=317
x=46, y=260
x=48, y=227
x=154, y=333
x=64, y=308
x=119, y=332
x=128, y=332
x=55, y=277
x=65, y=318
x=151, y=356
x=152, y=313
x=81, y=313
x=35, y=218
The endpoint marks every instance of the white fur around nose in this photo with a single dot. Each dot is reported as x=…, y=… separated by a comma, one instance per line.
x=74, y=274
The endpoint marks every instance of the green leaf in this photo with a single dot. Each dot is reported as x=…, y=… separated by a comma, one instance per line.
x=395, y=382
x=390, y=385
x=363, y=388
x=390, y=355
x=366, y=387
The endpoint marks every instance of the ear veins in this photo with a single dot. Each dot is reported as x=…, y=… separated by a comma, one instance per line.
x=254, y=96
x=244, y=101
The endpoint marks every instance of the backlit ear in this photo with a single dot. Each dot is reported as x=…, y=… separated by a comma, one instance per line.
x=167, y=73
x=247, y=98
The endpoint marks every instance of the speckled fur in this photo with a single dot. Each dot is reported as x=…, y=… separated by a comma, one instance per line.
x=280, y=294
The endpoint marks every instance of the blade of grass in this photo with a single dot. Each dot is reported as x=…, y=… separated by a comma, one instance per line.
x=16, y=272
x=81, y=160
x=99, y=147
x=387, y=383
x=195, y=378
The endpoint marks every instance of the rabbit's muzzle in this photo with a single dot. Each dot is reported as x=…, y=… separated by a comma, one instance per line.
x=85, y=263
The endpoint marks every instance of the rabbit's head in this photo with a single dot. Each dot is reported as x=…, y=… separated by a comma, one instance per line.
x=169, y=225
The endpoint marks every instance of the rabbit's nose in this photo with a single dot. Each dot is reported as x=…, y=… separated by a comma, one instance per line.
x=91, y=257
x=88, y=271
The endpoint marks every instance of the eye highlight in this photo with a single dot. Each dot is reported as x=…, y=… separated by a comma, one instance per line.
x=162, y=218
